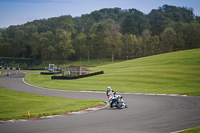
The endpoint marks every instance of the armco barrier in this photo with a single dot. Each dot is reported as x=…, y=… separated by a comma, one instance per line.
x=9, y=68
x=37, y=69
x=77, y=77
x=49, y=73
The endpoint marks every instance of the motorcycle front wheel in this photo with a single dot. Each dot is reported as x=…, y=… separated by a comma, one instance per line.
x=117, y=105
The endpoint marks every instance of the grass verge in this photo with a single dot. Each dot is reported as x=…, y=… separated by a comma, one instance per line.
x=2, y=73
x=171, y=73
x=192, y=130
x=15, y=105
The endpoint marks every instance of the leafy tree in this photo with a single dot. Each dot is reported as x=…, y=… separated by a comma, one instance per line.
x=155, y=45
x=63, y=46
x=168, y=40
x=50, y=52
x=198, y=19
x=146, y=45
x=139, y=45
x=89, y=45
x=157, y=21
x=35, y=46
x=5, y=48
x=180, y=44
x=100, y=45
x=130, y=49
x=19, y=42
x=83, y=23
x=29, y=29
x=113, y=37
x=135, y=23
x=178, y=14
x=192, y=35
x=80, y=45
x=43, y=46
x=179, y=28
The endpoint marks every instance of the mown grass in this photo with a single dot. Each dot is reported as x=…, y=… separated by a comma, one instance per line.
x=15, y=105
x=2, y=73
x=171, y=73
x=193, y=130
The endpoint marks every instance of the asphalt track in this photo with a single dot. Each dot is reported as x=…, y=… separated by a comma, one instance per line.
x=145, y=113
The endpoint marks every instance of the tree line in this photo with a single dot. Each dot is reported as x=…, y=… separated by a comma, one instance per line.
x=108, y=33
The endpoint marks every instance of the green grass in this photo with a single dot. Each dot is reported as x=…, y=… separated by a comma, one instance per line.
x=193, y=130
x=14, y=105
x=2, y=73
x=171, y=73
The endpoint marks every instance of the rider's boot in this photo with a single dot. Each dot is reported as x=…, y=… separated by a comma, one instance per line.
x=111, y=104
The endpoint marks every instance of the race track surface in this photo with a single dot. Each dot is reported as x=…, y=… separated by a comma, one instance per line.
x=145, y=113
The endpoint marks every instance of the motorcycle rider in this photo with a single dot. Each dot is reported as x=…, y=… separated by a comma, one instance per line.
x=111, y=94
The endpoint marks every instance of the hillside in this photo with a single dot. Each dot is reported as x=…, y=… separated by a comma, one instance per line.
x=171, y=73
x=176, y=72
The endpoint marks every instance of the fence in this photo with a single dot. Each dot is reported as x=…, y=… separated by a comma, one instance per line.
x=77, y=77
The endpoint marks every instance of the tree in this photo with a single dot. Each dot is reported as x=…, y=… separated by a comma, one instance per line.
x=178, y=14
x=158, y=21
x=34, y=44
x=169, y=40
x=192, y=35
x=130, y=49
x=19, y=42
x=180, y=44
x=146, y=43
x=63, y=46
x=179, y=28
x=42, y=46
x=51, y=52
x=135, y=23
x=198, y=19
x=113, y=37
x=89, y=45
x=5, y=48
x=30, y=28
x=81, y=46
x=155, y=45
x=100, y=45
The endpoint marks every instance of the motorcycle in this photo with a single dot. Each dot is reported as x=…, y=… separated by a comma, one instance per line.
x=117, y=101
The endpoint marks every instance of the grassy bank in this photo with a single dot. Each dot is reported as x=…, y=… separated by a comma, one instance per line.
x=14, y=105
x=2, y=73
x=171, y=73
x=193, y=130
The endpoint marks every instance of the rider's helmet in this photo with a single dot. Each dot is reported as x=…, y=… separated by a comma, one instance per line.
x=109, y=88
x=109, y=91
